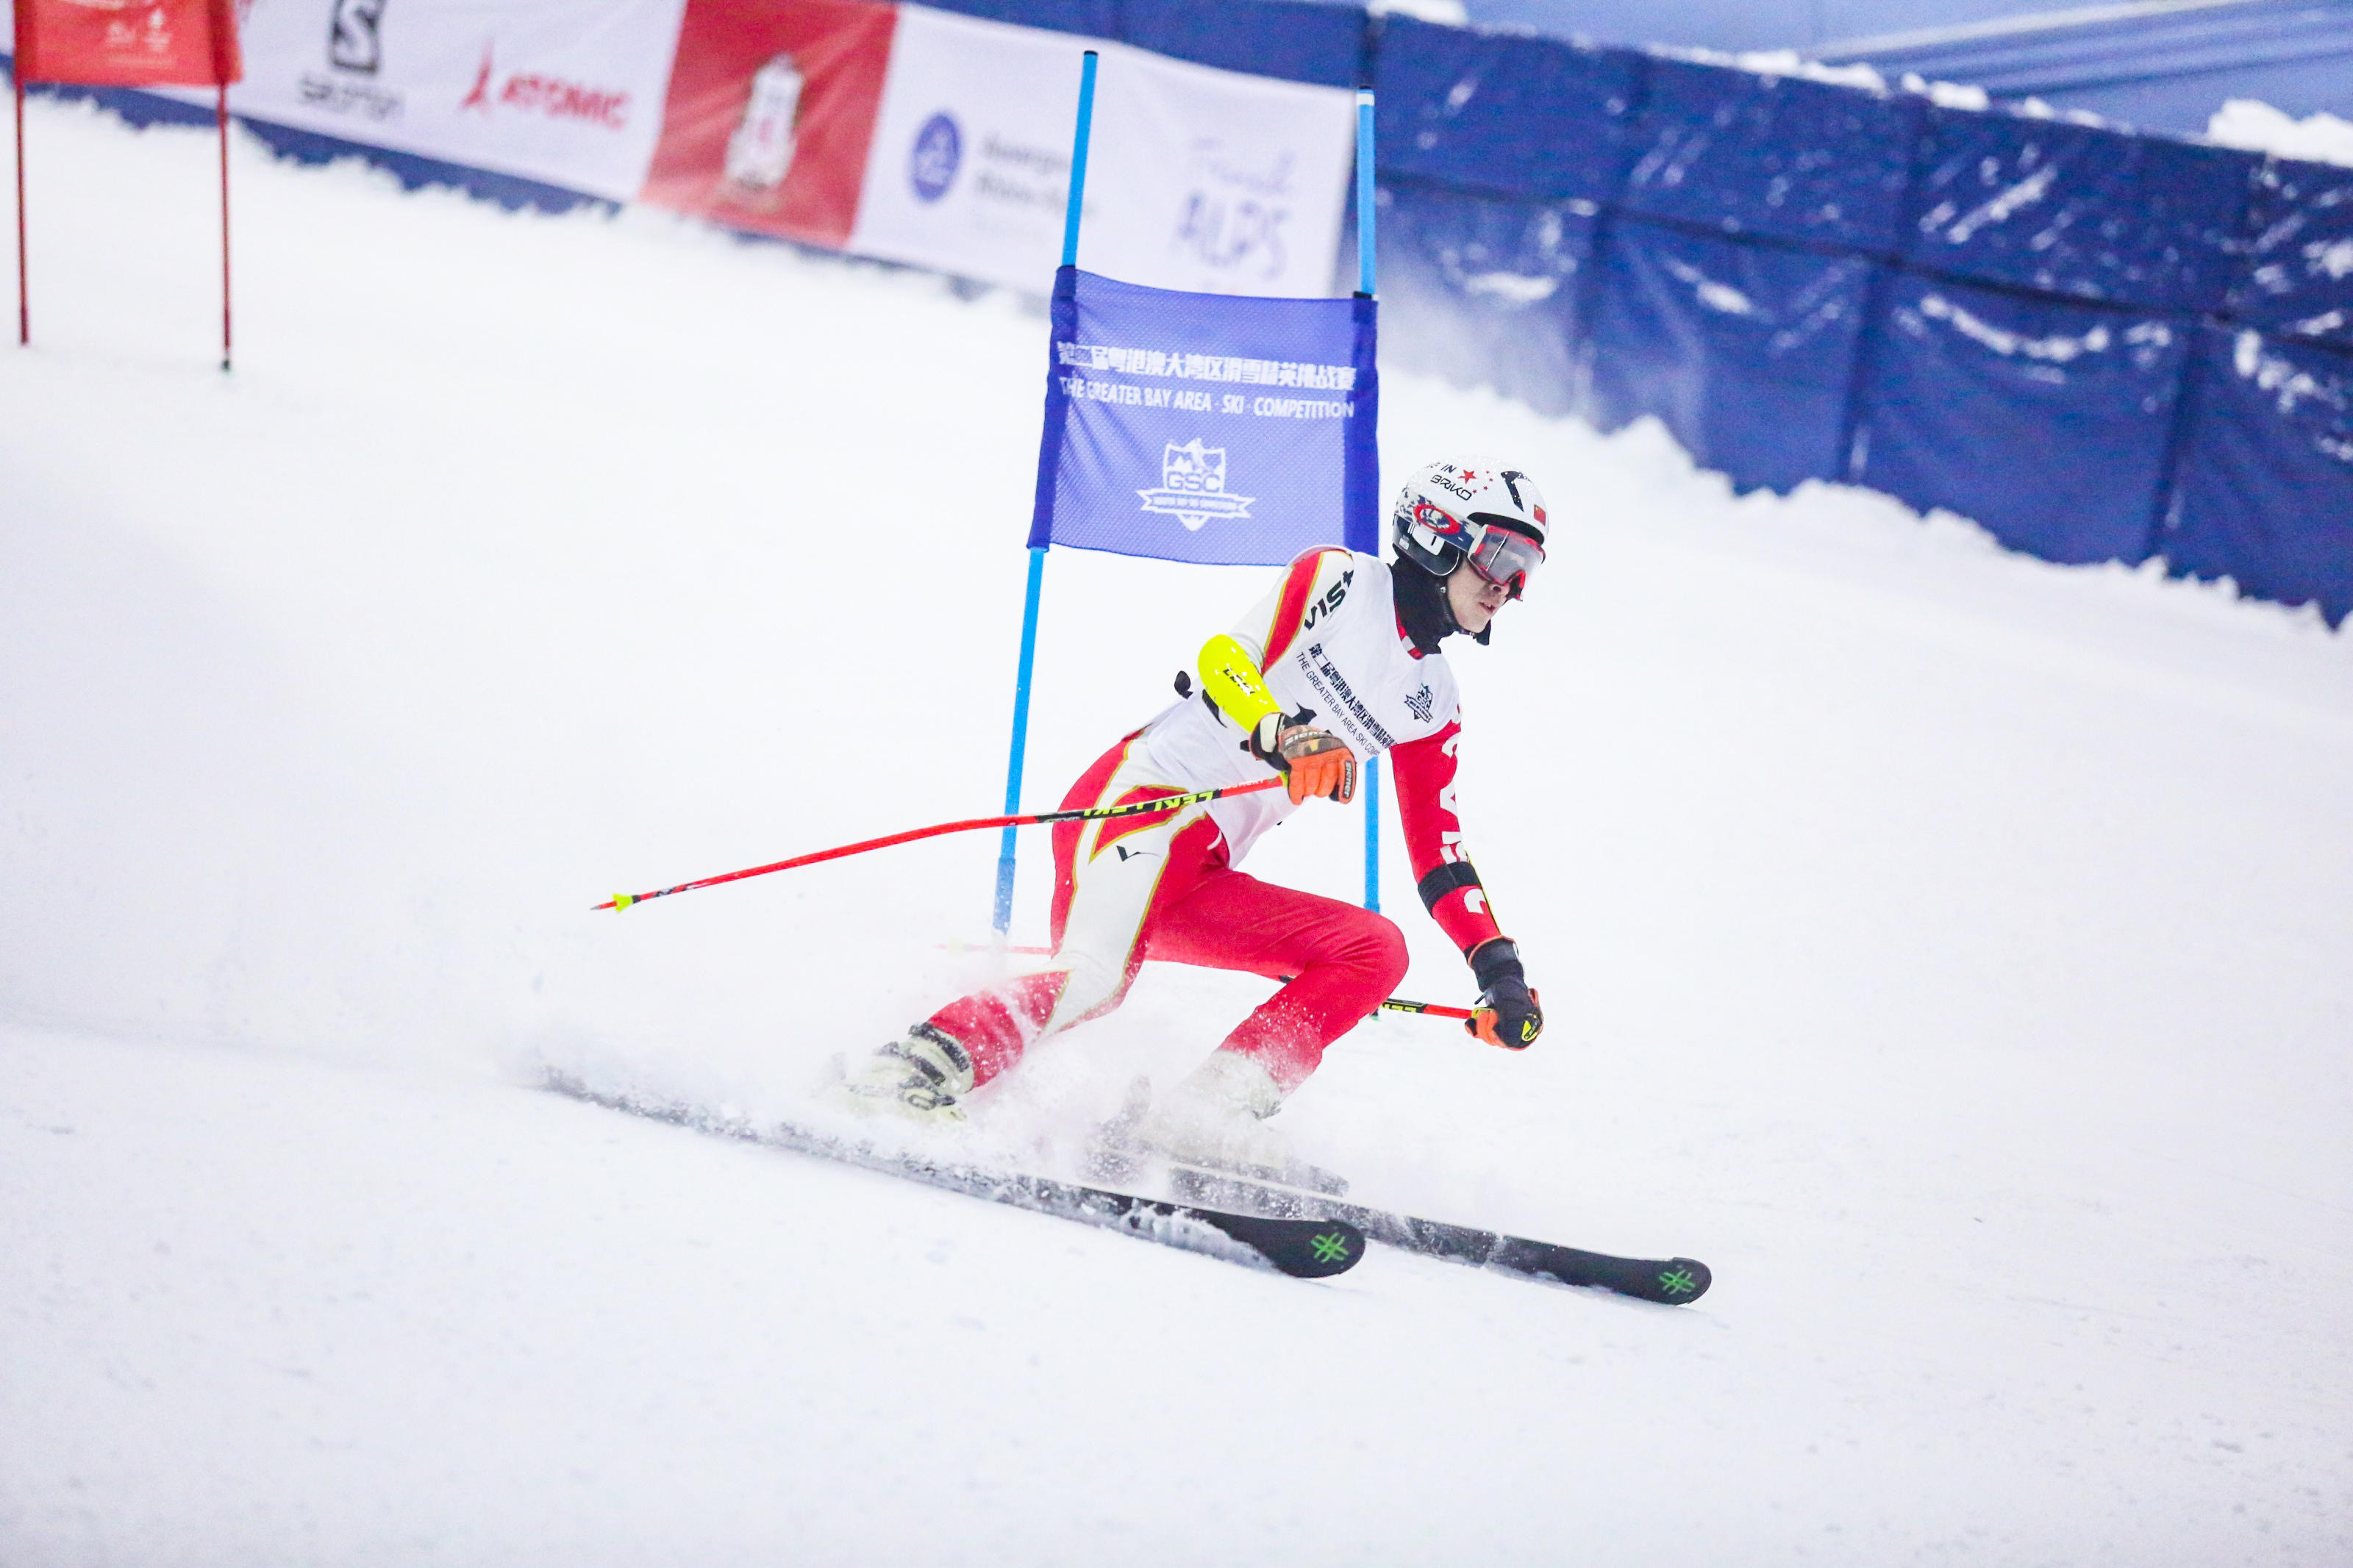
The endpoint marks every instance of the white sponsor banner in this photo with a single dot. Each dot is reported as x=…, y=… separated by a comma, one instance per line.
x=565, y=92
x=1197, y=178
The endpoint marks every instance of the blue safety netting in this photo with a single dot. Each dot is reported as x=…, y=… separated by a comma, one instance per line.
x=2267, y=490
x=1484, y=291
x=1298, y=40
x=2079, y=210
x=1322, y=41
x=1988, y=311
x=1744, y=352
x=2047, y=421
x=2298, y=280
x=1095, y=19
x=1502, y=113
x=1209, y=427
x=1775, y=156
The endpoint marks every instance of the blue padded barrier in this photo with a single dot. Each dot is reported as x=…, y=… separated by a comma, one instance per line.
x=413, y=172
x=1504, y=114
x=1745, y=350
x=2047, y=421
x=1297, y=41
x=1772, y=155
x=2299, y=276
x=136, y=108
x=2077, y=210
x=1095, y=19
x=1603, y=231
x=2266, y=489
x=1484, y=291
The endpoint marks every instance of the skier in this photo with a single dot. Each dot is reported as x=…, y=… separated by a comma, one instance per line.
x=1340, y=662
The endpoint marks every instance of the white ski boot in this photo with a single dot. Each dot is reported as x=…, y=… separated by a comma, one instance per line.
x=923, y=1076
x=1216, y=1117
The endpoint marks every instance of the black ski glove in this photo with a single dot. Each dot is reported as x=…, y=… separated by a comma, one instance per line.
x=1507, y=1013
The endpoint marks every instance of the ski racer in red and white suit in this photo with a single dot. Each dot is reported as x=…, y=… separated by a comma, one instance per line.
x=1339, y=662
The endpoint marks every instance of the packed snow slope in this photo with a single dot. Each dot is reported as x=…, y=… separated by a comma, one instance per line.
x=1949, y=948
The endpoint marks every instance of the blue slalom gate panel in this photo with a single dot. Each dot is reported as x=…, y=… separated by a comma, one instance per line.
x=2047, y=421
x=2267, y=490
x=1745, y=351
x=1776, y=156
x=1210, y=428
x=2299, y=277
x=1297, y=41
x=1506, y=114
x=2077, y=210
x=1485, y=290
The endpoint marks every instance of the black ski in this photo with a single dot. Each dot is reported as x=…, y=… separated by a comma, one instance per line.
x=1304, y=1247
x=1673, y=1281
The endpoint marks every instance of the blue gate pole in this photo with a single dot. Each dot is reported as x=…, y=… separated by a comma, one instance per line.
x=1003, y=919
x=1365, y=286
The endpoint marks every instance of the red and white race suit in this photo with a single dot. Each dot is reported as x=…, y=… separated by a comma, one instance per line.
x=1163, y=886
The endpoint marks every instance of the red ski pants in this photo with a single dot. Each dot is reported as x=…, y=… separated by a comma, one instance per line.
x=1157, y=885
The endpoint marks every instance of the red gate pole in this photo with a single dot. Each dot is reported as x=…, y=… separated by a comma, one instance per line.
x=24, y=303
x=221, y=117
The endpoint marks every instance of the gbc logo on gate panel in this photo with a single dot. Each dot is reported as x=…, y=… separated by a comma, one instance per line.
x=356, y=36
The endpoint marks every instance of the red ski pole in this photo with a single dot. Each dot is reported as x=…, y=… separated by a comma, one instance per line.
x=1088, y=814
x=1435, y=1009
x=1403, y=1005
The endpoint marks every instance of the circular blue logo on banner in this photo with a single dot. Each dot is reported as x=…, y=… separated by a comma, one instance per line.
x=939, y=148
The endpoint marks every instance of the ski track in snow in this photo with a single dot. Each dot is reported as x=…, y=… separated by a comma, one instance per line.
x=1947, y=947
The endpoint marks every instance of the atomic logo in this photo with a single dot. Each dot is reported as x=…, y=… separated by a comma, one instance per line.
x=480, y=96
x=553, y=98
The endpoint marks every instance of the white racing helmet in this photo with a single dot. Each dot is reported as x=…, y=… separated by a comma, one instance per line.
x=1490, y=516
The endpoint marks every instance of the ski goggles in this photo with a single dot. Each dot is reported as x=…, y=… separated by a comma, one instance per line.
x=1506, y=557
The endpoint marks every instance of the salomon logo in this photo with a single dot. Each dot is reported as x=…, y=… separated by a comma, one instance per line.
x=355, y=36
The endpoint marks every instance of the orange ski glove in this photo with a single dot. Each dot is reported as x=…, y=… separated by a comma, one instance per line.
x=1314, y=762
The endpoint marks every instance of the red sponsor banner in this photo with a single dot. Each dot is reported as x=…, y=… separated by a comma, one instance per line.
x=770, y=112
x=127, y=43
